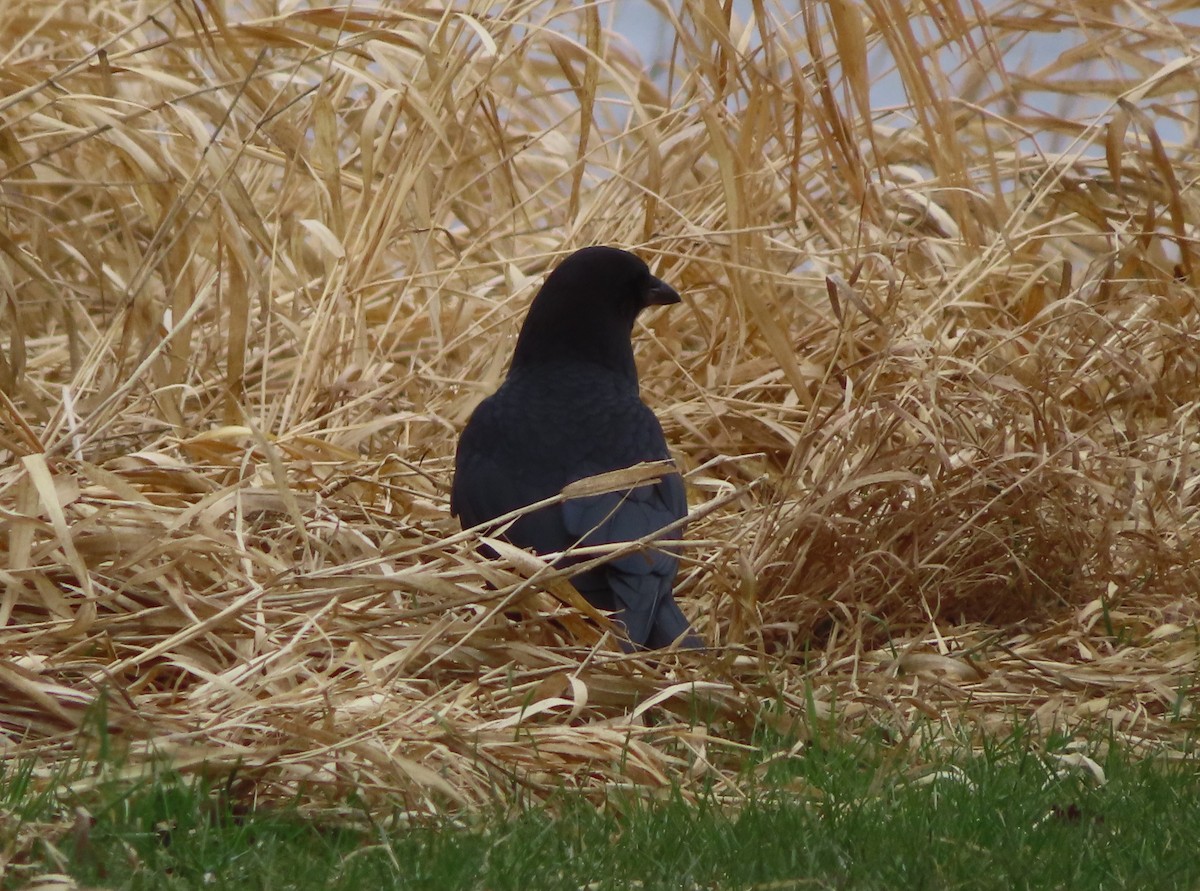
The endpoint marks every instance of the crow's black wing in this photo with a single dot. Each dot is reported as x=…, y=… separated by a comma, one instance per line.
x=627, y=516
x=527, y=441
x=636, y=585
x=494, y=475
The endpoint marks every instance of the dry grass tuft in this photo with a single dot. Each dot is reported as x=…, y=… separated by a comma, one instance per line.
x=934, y=380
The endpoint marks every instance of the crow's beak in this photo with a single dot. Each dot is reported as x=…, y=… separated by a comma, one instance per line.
x=660, y=293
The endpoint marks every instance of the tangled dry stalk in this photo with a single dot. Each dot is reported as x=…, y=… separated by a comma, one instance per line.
x=934, y=381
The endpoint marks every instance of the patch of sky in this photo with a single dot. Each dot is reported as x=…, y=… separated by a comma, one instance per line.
x=1055, y=49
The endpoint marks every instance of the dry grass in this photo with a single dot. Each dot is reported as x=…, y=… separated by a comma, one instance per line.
x=935, y=379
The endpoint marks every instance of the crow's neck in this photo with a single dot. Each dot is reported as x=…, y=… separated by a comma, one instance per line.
x=605, y=345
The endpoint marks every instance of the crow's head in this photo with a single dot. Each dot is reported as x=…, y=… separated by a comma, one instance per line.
x=586, y=309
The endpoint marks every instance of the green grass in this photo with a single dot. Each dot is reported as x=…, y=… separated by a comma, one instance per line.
x=842, y=817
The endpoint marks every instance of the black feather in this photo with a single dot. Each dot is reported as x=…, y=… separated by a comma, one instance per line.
x=568, y=409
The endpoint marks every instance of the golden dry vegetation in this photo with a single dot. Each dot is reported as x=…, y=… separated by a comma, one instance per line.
x=934, y=381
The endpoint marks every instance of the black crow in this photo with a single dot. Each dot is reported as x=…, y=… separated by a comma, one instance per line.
x=568, y=409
